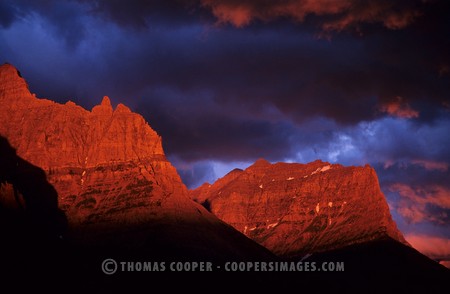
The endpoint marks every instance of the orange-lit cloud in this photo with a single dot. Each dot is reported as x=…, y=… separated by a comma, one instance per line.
x=241, y=13
x=373, y=12
x=431, y=165
x=239, y=16
x=413, y=214
x=399, y=108
x=343, y=13
x=433, y=247
x=414, y=201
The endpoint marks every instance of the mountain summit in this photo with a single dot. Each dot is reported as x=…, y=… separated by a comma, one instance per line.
x=295, y=209
x=112, y=178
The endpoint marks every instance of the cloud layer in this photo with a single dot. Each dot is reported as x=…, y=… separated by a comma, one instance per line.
x=434, y=247
x=226, y=82
x=340, y=14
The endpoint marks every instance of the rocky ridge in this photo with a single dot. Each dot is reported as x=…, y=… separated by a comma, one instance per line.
x=112, y=178
x=296, y=209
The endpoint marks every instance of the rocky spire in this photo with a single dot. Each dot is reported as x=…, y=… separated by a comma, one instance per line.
x=12, y=85
x=104, y=108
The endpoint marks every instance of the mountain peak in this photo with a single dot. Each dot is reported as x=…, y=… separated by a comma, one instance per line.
x=261, y=162
x=106, y=102
x=317, y=203
x=259, y=166
x=121, y=108
x=104, y=108
x=9, y=68
x=72, y=136
x=109, y=174
x=11, y=83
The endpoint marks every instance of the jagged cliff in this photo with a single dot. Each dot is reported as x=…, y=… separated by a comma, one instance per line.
x=111, y=176
x=294, y=209
x=95, y=159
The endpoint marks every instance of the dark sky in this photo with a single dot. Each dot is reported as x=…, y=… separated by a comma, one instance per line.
x=225, y=82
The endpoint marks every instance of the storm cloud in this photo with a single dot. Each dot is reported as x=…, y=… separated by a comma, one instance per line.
x=225, y=82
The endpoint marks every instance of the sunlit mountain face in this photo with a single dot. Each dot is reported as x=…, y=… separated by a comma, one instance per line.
x=223, y=83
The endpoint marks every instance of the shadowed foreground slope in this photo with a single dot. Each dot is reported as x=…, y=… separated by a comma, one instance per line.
x=106, y=169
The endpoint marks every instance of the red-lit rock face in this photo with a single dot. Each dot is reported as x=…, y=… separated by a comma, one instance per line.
x=110, y=172
x=95, y=159
x=293, y=209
